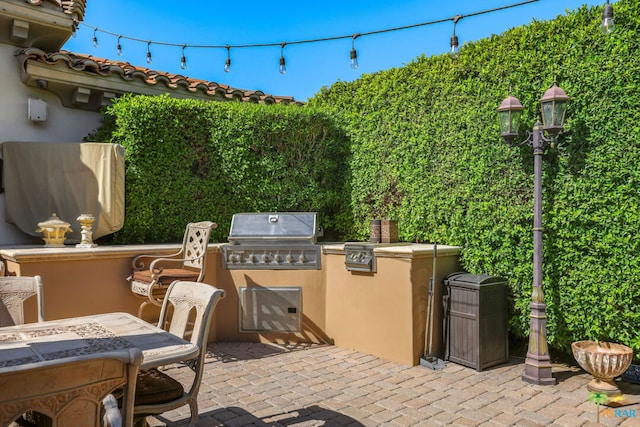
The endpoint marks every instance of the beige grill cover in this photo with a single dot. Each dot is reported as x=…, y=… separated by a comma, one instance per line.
x=70, y=179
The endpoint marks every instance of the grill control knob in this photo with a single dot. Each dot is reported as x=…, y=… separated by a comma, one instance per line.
x=277, y=258
x=302, y=258
x=251, y=259
x=289, y=258
x=265, y=258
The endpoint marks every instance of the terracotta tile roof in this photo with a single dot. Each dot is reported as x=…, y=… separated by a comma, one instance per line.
x=75, y=8
x=128, y=72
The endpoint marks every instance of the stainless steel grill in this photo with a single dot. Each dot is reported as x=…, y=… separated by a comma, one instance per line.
x=272, y=241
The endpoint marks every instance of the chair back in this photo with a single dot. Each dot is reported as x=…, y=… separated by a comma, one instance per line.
x=185, y=298
x=14, y=290
x=186, y=305
x=194, y=245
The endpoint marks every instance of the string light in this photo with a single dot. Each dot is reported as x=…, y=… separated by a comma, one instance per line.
x=227, y=63
x=149, y=60
x=454, y=38
x=283, y=62
x=95, y=38
x=183, y=59
x=607, y=18
x=353, y=55
x=607, y=15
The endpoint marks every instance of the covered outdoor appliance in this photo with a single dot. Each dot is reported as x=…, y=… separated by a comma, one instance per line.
x=272, y=241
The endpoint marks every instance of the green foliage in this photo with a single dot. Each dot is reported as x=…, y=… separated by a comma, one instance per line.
x=188, y=161
x=421, y=144
x=426, y=150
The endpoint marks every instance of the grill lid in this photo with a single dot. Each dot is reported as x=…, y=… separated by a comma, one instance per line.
x=269, y=228
x=278, y=241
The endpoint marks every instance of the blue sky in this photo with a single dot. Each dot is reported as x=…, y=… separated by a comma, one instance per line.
x=309, y=65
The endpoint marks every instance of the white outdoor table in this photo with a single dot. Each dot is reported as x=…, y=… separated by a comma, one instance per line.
x=39, y=362
x=77, y=336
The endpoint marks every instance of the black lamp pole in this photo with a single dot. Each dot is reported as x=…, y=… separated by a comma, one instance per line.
x=553, y=106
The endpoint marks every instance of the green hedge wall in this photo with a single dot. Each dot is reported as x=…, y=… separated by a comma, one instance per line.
x=188, y=160
x=426, y=150
x=421, y=144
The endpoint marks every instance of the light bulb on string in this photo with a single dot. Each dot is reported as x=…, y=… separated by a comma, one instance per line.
x=227, y=63
x=455, y=50
x=149, y=59
x=119, y=47
x=183, y=59
x=283, y=62
x=95, y=38
x=353, y=55
x=607, y=18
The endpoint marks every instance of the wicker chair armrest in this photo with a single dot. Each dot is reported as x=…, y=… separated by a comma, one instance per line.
x=159, y=264
x=140, y=262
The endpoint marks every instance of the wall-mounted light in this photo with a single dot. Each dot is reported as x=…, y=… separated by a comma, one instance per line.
x=149, y=59
x=354, y=54
x=283, y=62
x=607, y=18
x=183, y=59
x=227, y=62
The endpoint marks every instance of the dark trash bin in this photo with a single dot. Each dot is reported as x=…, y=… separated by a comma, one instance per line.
x=476, y=320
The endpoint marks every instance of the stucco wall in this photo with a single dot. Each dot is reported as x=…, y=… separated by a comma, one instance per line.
x=382, y=313
x=63, y=124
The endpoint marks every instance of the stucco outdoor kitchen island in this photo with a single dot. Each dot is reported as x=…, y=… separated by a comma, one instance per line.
x=382, y=313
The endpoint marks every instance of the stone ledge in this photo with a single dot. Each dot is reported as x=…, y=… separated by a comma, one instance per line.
x=29, y=254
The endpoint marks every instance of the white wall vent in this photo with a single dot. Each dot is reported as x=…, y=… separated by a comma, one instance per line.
x=272, y=309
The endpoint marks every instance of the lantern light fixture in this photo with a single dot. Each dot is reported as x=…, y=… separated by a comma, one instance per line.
x=509, y=114
x=553, y=107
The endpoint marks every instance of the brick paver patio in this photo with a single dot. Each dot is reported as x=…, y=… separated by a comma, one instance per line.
x=250, y=384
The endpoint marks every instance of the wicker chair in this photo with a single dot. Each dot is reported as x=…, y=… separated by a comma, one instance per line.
x=193, y=304
x=152, y=274
x=14, y=291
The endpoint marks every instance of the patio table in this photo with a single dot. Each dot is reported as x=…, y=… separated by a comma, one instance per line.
x=77, y=336
x=31, y=345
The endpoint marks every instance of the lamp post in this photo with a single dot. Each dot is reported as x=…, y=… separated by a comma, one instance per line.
x=553, y=108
